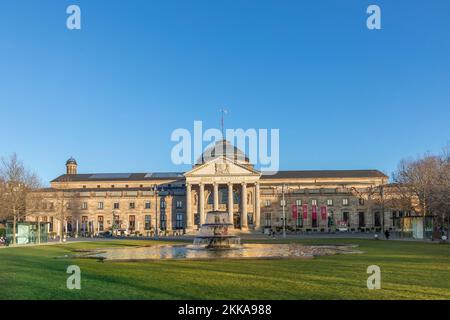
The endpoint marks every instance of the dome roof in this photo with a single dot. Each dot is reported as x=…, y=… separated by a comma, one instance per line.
x=71, y=161
x=223, y=148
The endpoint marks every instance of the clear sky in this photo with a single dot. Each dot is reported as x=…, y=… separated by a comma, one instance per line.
x=110, y=94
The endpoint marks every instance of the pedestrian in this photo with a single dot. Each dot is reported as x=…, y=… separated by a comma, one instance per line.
x=2, y=241
x=387, y=234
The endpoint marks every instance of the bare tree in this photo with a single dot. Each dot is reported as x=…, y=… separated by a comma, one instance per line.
x=424, y=185
x=63, y=202
x=375, y=197
x=16, y=182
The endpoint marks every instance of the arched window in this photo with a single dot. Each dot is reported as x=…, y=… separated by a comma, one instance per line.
x=223, y=197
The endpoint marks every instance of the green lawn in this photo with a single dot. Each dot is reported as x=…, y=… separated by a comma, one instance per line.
x=410, y=270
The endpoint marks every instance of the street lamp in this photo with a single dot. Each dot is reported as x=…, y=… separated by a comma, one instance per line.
x=283, y=203
x=155, y=191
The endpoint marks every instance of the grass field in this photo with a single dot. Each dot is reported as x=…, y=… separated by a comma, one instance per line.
x=409, y=270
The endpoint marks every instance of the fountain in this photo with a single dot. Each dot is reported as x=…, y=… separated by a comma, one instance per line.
x=215, y=240
x=215, y=232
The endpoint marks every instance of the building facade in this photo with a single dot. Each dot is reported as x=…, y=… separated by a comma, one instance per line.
x=176, y=203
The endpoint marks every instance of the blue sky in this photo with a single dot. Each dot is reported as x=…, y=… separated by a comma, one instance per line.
x=110, y=95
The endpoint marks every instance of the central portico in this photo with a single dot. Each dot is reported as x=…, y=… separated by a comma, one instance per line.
x=223, y=181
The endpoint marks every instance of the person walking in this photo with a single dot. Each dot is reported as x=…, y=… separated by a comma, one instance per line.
x=387, y=234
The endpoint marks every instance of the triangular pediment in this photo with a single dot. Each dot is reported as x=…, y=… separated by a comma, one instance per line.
x=221, y=166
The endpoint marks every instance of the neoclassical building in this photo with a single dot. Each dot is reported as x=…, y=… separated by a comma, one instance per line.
x=172, y=202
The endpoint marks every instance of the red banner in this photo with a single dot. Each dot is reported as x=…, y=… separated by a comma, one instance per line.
x=314, y=212
x=294, y=212
x=323, y=212
x=305, y=211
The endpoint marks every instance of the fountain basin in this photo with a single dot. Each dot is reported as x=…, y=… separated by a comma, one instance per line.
x=194, y=252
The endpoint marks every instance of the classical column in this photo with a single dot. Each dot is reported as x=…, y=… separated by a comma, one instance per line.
x=58, y=228
x=39, y=228
x=230, y=202
x=257, y=217
x=189, y=218
x=169, y=212
x=216, y=197
x=202, y=203
x=244, y=224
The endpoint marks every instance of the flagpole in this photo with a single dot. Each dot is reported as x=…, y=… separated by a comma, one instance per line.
x=222, y=123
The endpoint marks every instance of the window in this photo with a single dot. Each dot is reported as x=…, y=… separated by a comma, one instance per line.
x=377, y=219
x=179, y=221
x=361, y=201
x=84, y=205
x=100, y=223
x=250, y=218
x=132, y=223
x=345, y=202
x=330, y=202
x=163, y=223
x=299, y=221
x=179, y=204
x=361, y=220
x=346, y=217
x=268, y=220
x=267, y=204
x=100, y=205
x=147, y=205
x=314, y=202
x=84, y=223
x=148, y=222
x=69, y=225
x=132, y=205
x=197, y=219
x=298, y=202
x=116, y=221
x=116, y=205
x=50, y=226
x=223, y=195
x=163, y=204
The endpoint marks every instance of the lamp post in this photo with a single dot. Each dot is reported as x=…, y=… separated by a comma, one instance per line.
x=283, y=203
x=382, y=207
x=155, y=191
